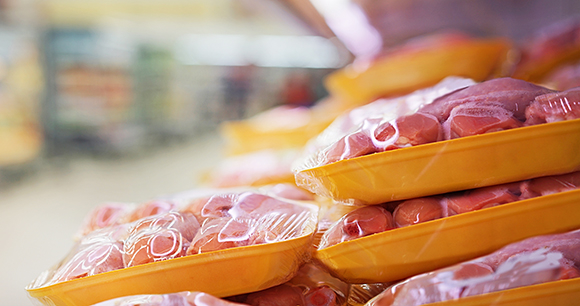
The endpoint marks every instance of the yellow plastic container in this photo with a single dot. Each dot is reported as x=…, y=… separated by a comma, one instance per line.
x=420, y=248
x=536, y=71
x=561, y=293
x=478, y=59
x=275, y=129
x=451, y=165
x=219, y=273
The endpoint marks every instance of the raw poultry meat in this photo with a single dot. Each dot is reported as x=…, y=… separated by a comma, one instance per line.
x=491, y=106
x=532, y=261
x=158, y=238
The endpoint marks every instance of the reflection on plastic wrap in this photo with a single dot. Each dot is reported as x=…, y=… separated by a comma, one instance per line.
x=175, y=235
x=532, y=261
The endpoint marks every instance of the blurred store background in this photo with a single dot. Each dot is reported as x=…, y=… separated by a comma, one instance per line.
x=122, y=99
x=126, y=77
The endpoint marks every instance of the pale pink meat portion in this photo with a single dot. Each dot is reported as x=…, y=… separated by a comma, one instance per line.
x=415, y=129
x=161, y=237
x=478, y=118
x=350, y=146
x=106, y=215
x=151, y=208
x=554, y=107
x=513, y=94
x=234, y=220
x=97, y=256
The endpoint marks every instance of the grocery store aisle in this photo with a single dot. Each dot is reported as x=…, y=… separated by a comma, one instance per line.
x=41, y=213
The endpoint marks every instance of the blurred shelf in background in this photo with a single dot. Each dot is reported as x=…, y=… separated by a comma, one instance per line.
x=127, y=77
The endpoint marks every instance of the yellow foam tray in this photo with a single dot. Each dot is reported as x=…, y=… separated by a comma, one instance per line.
x=408, y=251
x=478, y=59
x=450, y=165
x=220, y=273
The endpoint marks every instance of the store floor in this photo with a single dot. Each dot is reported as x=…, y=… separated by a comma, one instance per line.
x=41, y=213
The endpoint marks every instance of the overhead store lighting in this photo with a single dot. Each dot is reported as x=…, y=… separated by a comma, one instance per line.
x=261, y=50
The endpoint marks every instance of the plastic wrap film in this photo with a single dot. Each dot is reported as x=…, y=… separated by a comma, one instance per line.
x=185, y=237
x=549, y=48
x=440, y=132
x=369, y=220
x=366, y=117
x=533, y=261
x=419, y=62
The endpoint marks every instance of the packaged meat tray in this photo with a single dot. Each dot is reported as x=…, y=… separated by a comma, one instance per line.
x=186, y=242
x=419, y=62
x=550, y=47
x=541, y=270
x=282, y=127
x=398, y=252
x=494, y=132
x=259, y=168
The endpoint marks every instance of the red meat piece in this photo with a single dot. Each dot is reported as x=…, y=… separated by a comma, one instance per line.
x=413, y=130
x=358, y=223
x=416, y=211
x=350, y=146
x=321, y=296
x=282, y=295
x=550, y=184
x=482, y=197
